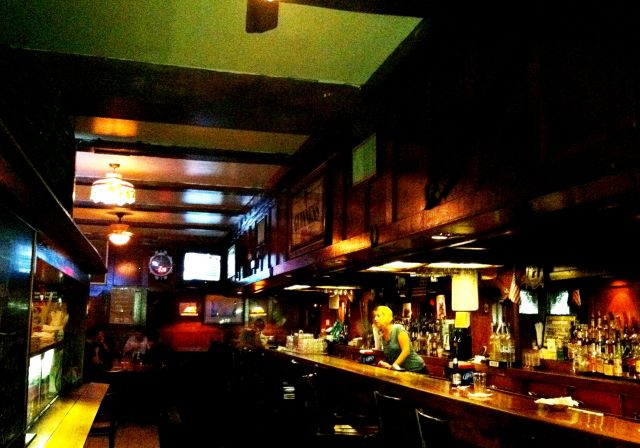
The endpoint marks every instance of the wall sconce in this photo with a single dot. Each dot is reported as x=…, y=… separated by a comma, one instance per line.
x=464, y=290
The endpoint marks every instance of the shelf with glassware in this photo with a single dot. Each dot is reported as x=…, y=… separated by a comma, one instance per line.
x=45, y=381
x=49, y=317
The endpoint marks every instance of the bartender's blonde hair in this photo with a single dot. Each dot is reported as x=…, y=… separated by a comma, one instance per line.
x=385, y=312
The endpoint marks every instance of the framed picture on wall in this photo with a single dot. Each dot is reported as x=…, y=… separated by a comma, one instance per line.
x=223, y=310
x=307, y=216
x=188, y=309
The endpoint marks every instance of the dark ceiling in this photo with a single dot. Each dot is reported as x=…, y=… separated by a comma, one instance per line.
x=227, y=138
x=230, y=137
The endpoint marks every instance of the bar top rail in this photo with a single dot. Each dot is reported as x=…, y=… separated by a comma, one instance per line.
x=67, y=422
x=427, y=388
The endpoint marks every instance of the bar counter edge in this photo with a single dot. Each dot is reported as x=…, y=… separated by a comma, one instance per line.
x=502, y=419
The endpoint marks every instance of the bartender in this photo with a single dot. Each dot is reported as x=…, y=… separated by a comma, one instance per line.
x=396, y=344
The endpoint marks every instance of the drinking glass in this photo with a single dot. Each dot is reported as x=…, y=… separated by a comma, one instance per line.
x=479, y=382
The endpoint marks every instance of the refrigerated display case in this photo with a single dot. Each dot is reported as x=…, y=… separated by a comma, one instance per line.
x=53, y=293
x=45, y=381
x=16, y=256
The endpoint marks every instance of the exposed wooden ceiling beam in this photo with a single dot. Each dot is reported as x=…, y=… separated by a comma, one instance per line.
x=94, y=86
x=415, y=8
x=101, y=146
x=175, y=208
x=180, y=187
x=156, y=225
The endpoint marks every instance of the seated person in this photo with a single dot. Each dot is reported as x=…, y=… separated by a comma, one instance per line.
x=252, y=337
x=98, y=353
x=137, y=344
x=158, y=352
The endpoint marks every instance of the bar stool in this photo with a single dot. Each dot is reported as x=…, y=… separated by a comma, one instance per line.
x=105, y=424
x=434, y=431
x=397, y=422
x=326, y=428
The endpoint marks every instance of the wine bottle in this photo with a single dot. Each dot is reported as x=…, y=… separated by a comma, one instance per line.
x=456, y=378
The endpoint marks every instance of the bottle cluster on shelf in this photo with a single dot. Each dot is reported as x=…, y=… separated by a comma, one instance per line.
x=427, y=337
x=605, y=347
x=502, y=346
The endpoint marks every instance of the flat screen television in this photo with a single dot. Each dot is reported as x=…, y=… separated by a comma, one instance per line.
x=231, y=262
x=201, y=266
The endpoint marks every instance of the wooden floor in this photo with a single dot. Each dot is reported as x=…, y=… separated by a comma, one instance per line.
x=129, y=435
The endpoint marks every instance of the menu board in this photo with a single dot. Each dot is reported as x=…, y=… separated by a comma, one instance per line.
x=128, y=306
x=559, y=327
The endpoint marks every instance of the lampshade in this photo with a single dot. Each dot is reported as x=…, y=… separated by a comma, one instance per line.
x=112, y=189
x=464, y=290
x=118, y=233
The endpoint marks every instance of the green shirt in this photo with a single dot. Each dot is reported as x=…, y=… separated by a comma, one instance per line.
x=392, y=349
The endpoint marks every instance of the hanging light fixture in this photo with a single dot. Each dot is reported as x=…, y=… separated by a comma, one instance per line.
x=118, y=233
x=464, y=290
x=262, y=15
x=112, y=189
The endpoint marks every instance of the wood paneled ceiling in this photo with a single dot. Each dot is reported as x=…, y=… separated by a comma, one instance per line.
x=204, y=118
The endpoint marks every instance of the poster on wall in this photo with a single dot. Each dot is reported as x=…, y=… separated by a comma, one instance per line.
x=307, y=220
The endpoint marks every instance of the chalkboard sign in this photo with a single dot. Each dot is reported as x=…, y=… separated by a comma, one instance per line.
x=559, y=327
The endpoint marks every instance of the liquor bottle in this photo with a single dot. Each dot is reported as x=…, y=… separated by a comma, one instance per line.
x=504, y=341
x=509, y=347
x=607, y=361
x=433, y=349
x=497, y=346
x=456, y=377
x=618, y=368
x=493, y=343
x=455, y=344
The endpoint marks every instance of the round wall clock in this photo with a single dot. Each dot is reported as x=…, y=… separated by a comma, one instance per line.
x=160, y=264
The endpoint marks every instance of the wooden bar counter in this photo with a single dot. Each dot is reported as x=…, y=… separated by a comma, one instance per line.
x=502, y=420
x=67, y=422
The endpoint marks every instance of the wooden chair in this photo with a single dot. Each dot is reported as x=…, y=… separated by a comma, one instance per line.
x=397, y=422
x=106, y=421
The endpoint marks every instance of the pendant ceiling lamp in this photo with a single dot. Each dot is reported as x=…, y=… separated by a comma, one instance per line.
x=262, y=15
x=118, y=233
x=112, y=189
x=464, y=290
